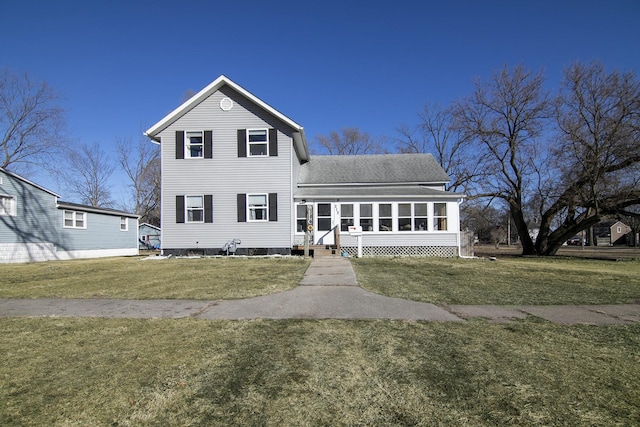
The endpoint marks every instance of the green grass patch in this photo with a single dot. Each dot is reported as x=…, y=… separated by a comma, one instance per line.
x=508, y=281
x=131, y=278
x=117, y=372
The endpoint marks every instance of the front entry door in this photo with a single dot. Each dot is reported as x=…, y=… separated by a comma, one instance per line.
x=326, y=219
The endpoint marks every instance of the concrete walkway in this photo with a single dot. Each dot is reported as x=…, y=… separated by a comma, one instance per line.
x=328, y=290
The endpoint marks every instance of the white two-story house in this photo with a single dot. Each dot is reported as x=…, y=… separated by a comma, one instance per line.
x=234, y=167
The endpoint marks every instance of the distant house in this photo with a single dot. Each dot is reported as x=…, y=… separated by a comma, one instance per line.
x=620, y=233
x=149, y=236
x=234, y=167
x=36, y=226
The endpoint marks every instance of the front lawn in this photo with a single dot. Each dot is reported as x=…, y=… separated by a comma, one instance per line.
x=507, y=281
x=164, y=372
x=132, y=278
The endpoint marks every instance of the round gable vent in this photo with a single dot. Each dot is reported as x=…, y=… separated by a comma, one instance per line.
x=226, y=104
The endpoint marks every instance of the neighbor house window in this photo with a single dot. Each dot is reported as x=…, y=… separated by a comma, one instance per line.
x=195, y=208
x=324, y=216
x=257, y=207
x=124, y=223
x=258, y=142
x=366, y=216
x=404, y=216
x=346, y=216
x=440, y=216
x=385, y=220
x=7, y=205
x=420, y=217
x=74, y=219
x=194, y=145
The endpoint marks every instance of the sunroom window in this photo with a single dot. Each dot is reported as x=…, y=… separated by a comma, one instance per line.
x=440, y=216
x=346, y=216
x=366, y=216
x=420, y=217
x=258, y=142
x=404, y=216
x=385, y=220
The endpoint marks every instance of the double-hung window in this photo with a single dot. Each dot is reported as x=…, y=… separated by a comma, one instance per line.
x=366, y=216
x=194, y=145
x=301, y=218
x=385, y=218
x=7, y=205
x=258, y=142
x=440, y=216
x=404, y=216
x=257, y=207
x=124, y=223
x=420, y=217
x=195, y=208
x=346, y=216
x=74, y=219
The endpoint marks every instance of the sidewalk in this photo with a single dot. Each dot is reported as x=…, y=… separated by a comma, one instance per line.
x=328, y=290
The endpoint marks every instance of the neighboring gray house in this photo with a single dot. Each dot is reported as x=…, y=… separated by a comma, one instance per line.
x=36, y=226
x=233, y=167
x=149, y=236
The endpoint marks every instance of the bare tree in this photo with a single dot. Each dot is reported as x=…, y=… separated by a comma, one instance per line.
x=438, y=135
x=597, y=153
x=141, y=163
x=88, y=174
x=31, y=122
x=589, y=171
x=350, y=141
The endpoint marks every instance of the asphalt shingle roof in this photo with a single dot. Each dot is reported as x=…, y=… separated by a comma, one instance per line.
x=372, y=169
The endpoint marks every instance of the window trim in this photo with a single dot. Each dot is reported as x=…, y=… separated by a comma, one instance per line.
x=13, y=207
x=187, y=209
x=74, y=219
x=187, y=144
x=264, y=207
x=437, y=218
x=265, y=143
x=125, y=223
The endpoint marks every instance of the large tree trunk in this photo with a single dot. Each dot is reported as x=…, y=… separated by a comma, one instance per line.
x=517, y=215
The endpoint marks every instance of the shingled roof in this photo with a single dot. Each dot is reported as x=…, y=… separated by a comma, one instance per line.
x=372, y=169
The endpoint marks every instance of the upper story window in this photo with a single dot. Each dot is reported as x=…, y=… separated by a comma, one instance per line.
x=258, y=142
x=195, y=208
x=440, y=216
x=257, y=207
x=7, y=205
x=124, y=223
x=194, y=145
x=75, y=219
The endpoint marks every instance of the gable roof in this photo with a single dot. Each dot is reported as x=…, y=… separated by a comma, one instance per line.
x=23, y=179
x=298, y=136
x=375, y=169
x=86, y=208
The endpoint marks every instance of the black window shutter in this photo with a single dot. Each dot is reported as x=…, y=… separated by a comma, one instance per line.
x=179, y=209
x=179, y=144
x=273, y=206
x=273, y=142
x=208, y=208
x=242, y=208
x=242, y=143
x=208, y=144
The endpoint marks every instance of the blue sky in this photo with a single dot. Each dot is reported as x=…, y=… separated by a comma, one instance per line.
x=122, y=65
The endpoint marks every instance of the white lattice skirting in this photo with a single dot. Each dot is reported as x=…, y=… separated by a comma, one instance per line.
x=432, y=251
